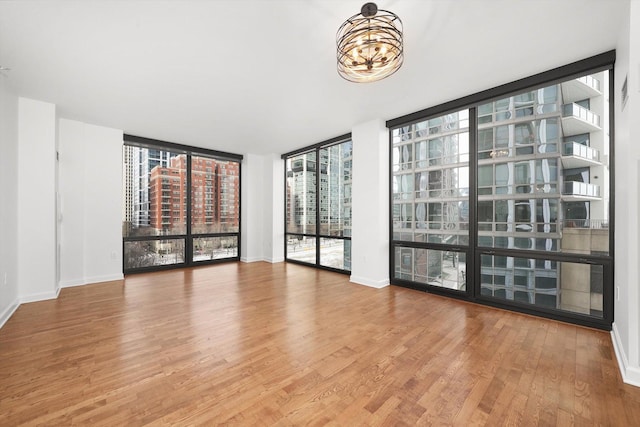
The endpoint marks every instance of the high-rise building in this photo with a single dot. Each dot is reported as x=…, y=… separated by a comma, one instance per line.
x=127, y=190
x=318, y=206
x=215, y=203
x=144, y=160
x=335, y=191
x=542, y=185
x=541, y=175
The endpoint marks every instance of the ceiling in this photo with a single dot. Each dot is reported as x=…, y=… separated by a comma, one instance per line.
x=250, y=76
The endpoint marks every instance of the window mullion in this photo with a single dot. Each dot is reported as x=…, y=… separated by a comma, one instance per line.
x=318, y=196
x=189, y=240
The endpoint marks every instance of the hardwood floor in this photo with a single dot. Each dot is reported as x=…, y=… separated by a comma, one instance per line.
x=282, y=344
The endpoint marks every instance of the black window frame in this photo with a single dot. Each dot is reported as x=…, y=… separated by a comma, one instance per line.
x=188, y=237
x=317, y=235
x=598, y=63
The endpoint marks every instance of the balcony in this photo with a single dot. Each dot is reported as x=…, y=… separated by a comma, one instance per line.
x=580, y=88
x=578, y=191
x=577, y=120
x=575, y=155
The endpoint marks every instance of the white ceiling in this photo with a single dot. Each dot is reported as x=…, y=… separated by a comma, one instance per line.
x=250, y=76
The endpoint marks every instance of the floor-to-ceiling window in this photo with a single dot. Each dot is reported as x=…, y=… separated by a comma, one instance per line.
x=318, y=205
x=181, y=205
x=430, y=187
x=505, y=197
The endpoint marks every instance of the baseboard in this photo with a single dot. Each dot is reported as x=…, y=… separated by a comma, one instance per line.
x=251, y=259
x=42, y=296
x=258, y=259
x=105, y=278
x=71, y=283
x=91, y=280
x=378, y=284
x=630, y=374
x=8, y=312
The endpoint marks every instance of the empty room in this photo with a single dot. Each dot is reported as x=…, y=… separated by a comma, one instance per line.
x=320, y=212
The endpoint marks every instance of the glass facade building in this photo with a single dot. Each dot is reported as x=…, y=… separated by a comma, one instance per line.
x=318, y=205
x=507, y=200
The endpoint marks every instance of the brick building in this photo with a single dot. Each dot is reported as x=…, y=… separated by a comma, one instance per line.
x=215, y=197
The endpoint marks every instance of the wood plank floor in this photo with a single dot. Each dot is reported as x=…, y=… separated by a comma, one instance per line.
x=278, y=344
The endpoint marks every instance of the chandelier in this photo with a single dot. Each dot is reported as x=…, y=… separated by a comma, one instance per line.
x=369, y=45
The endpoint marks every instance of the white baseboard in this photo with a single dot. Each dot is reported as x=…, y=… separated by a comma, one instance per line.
x=630, y=374
x=71, y=283
x=42, y=296
x=258, y=259
x=91, y=280
x=251, y=259
x=104, y=278
x=378, y=284
x=8, y=312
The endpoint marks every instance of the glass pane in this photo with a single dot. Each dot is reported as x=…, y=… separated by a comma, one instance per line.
x=335, y=189
x=301, y=193
x=335, y=253
x=301, y=248
x=444, y=269
x=215, y=195
x=151, y=253
x=208, y=248
x=566, y=286
x=154, y=192
x=545, y=168
x=431, y=195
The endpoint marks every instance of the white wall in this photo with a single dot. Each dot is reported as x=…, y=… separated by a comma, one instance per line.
x=36, y=200
x=253, y=212
x=370, y=204
x=262, y=208
x=273, y=208
x=626, y=327
x=90, y=199
x=8, y=201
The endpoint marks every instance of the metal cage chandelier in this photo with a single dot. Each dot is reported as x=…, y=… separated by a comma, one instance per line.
x=369, y=45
